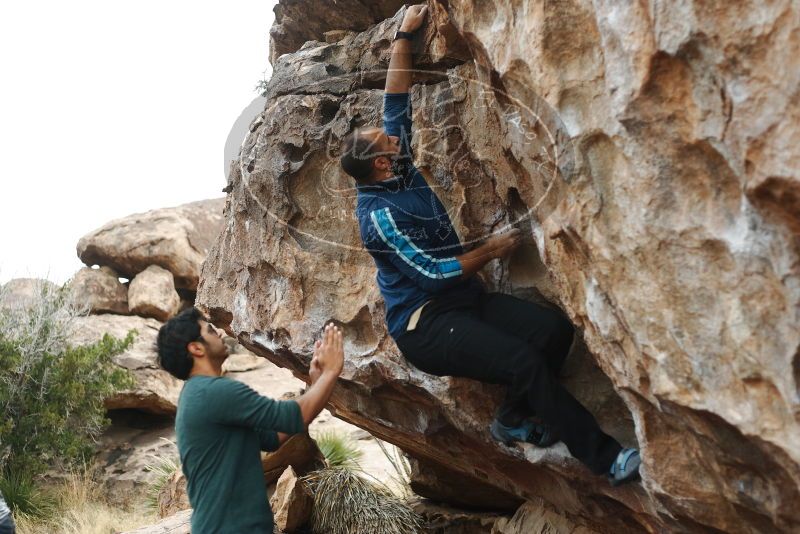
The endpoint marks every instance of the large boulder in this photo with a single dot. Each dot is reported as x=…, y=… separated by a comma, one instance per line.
x=176, y=239
x=293, y=26
x=648, y=153
x=100, y=290
x=156, y=391
x=152, y=294
x=20, y=293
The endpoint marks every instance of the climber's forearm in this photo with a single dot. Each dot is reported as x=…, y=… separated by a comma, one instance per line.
x=398, y=78
x=474, y=260
x=313, y=401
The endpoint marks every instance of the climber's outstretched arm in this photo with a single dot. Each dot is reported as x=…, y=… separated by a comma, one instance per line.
x=398, y=78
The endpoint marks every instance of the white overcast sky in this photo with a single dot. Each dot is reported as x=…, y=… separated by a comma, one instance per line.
x=112, y=108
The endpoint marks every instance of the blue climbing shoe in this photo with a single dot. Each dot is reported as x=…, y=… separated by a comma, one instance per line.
x=625, y=468
x=530, y=431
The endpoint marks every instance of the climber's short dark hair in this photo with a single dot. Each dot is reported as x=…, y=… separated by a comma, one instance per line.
x=173, y=337
x=357, y=156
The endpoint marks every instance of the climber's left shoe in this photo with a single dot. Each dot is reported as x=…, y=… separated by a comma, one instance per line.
x=529, y=431
x=625, y=468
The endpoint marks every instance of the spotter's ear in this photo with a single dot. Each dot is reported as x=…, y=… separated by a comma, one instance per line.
x=196, y=349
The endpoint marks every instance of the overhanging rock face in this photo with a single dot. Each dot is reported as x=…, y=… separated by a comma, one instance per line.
x=298, y=21
x=651, y=154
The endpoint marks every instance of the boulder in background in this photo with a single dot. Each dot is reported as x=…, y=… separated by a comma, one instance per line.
x=156, y=391
x=100, y=290
x=152, y=294
x=177, y=239
x=22, y=292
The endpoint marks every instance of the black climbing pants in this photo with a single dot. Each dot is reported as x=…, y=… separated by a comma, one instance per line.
x=501, y=339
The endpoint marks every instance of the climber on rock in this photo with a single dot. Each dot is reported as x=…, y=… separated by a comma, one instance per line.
x=438, y=312
x=222, y=425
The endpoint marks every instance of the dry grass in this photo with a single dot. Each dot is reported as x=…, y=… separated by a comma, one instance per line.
x=401, y=480
x=83, y=510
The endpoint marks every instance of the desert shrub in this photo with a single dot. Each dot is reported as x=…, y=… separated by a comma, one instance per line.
x=51, y=393
x=347, y=503
x=26, y=498
x=348, y=500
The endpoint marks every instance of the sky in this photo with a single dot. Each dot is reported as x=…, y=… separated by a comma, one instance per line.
x=114, y=108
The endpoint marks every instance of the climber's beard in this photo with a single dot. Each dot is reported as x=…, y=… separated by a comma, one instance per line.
x=399, y=165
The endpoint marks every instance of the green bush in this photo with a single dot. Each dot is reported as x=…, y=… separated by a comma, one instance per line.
x=347, y=499
x=51, y=393
x=338, y=449
x=25, y=498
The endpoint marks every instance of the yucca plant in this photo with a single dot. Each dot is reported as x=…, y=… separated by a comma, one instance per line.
x=164, y=468
x=338, y=449
x=25, y=497
x=347, y=502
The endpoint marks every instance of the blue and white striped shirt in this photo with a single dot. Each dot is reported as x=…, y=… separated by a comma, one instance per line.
x=406, y=229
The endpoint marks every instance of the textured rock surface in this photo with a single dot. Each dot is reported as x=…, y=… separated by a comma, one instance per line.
x=152, y=294
x=440, y=484
x=176, y=239
x=293, y=26
x=173, y=498
x=442, y=519
x=156, y=391
x=299, y=452
x=179, y=523
x=133, y=442
x=100, y=289
x=534, y=517
x=530, y=518
x=291, y=502
x=651, y=153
